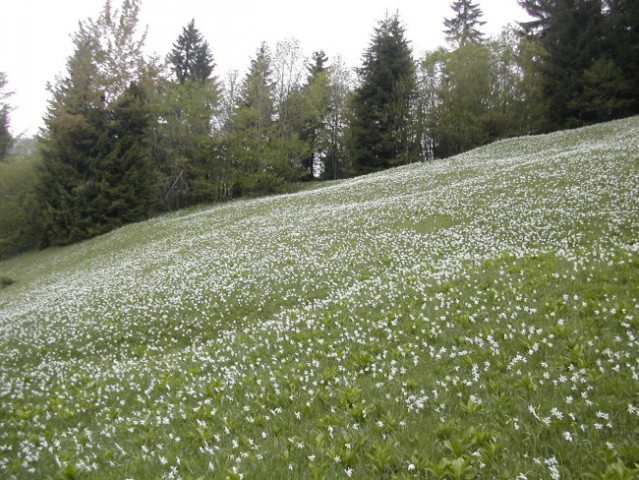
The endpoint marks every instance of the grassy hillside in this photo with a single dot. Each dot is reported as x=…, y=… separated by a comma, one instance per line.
x=470, y=318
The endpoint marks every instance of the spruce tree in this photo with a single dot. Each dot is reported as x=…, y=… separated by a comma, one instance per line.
x=191, y=56
x=6, y=140
x=570, y=33
x=256, y=94
x=463, y=28
x=317, y=65
x=75, y=143
x=69, y=146
x=381, y=130
x=187, y=106
x=621, y=27
x=124, y=171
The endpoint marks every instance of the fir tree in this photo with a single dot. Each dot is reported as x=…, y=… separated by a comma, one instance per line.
x=187, y=107
x=6, y=140
x=463, y=28
x=191, y=56
x=317, y=66
x=124, y=171
x=381, y=133
x=256, y=95
x=621, y=27
x=248, y=144
x=69, y=146
x=570, y=33
x=76, y=143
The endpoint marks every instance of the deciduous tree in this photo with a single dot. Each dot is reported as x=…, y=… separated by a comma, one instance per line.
x=187, y=109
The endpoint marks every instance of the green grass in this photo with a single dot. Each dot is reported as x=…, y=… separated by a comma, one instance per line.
x=470, y=318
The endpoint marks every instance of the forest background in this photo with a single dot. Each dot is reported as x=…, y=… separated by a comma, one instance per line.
x=127, y=136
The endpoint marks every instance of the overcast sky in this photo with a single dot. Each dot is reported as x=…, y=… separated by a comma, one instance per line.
x=35, y=34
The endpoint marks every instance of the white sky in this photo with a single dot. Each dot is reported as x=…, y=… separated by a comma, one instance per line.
x=35, y=34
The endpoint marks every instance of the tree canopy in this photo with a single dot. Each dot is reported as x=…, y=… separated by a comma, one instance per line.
x=589, y=61
x=6, y=140
x=463, y=27
x=126, y=137
x=94, y=133
x=381, y=133
x=191, y=57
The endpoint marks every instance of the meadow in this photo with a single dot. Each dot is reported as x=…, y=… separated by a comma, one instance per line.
x=476, y=317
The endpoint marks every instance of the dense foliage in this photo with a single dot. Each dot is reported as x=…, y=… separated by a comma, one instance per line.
x=127, y=136
x=20, y=211
x=382, y=122
x=96, y=170
x=590, y=59
x=5, y=135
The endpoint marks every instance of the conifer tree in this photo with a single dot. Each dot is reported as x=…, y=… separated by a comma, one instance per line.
x=187, y=106
x=191, y=56
x=124, y=170
x=570, y=33
x=251, y=127
x=6, y=140
x=76, y=146
x=256, y=94
x=463, y=28
x=621, y=27
x=381, y=130
x=317, y=65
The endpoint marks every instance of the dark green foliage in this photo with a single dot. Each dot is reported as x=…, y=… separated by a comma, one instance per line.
x=572, y=40
x=463, y=28
x=606, y=92
x=191, y=57
x=97, y=172
x=20, y=212
x=6, y=140
x=70, y=185
x=318, y=65
x=381, y=130
x=94, y=147
x=621, y=28
x=591, y=51
x=124, y=175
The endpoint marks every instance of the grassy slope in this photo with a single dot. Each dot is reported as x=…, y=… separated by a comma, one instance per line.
x=473, y=318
